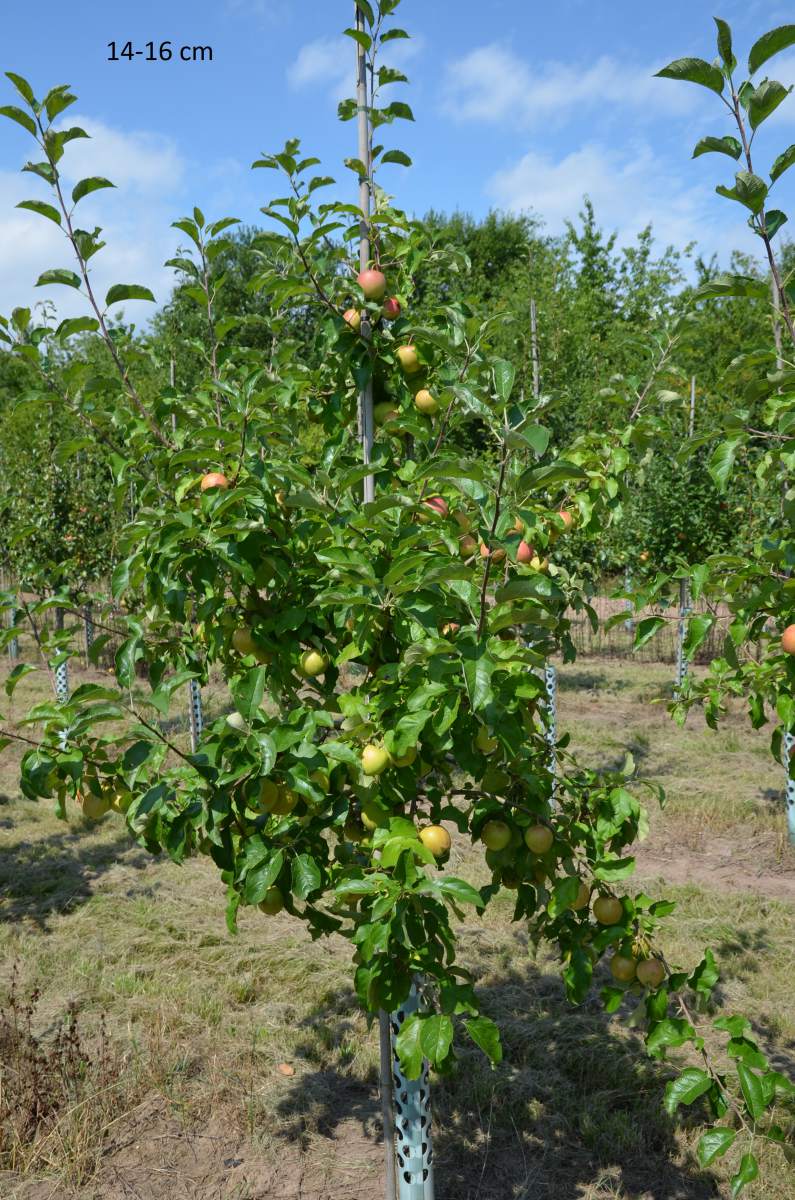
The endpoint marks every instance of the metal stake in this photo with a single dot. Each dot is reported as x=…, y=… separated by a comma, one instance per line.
x=88, y=623
x=551, y=681
x=681, y=660
x=413, y=1117
x=195, y=715
x=789, y=765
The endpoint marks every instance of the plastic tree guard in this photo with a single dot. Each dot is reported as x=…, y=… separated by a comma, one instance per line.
x=413, y=1148
x=195, y=715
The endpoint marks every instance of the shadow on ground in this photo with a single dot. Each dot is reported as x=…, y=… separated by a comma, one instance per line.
x=574, y=1110
x=53, y=874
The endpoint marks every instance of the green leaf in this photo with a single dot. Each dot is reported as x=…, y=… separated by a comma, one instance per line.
x=93, y=184
x=59, y=275
x=765, y=100
x=127, y=291
x=409, y=1047
x=694, y=70
x=396, y=156
x=248, y=690
x=22, y=86
x=392, y=34
x=698, y=628
x=782, y=163
x=19, y=672
x=687, y=1087
x=16, y=114
x=73, y=325
x=460, y=891
x=478, y=667
x=504, y=374
x=721, y=463
x=44, y=210
x=749, y=190
x=749, y=1169
x=436, y=1037
x=486, y=1035
x=774, y=219
x=306, y=875
x=718, y=145
x=58, y=99
x=714, y=1143
x=673, y=1031
x=261, y=877
x=725, y=43
x=646, y=630
x=769, y=44
x=753, y=1092
x=733, y=285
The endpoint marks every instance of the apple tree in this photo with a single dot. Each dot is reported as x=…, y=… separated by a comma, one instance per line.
x=382, y=655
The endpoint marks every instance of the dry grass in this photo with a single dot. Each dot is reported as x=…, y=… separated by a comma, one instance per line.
x=200, y=1021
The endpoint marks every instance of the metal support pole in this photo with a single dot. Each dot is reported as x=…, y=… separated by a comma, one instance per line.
x=195, y=715
x=13, y=645
x=629, y=624
x=366, y=424
x=413, y=1117
x=789, y=767
x=551, y=682
x=388, y=1104
x=61, y=674
x=88, y=623
x=681, y=661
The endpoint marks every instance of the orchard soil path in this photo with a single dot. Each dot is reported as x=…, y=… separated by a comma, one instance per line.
x=757, y=866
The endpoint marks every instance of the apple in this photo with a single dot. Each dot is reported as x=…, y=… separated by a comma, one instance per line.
x=463, y=522
x=243, y=642
x=518, y=526
x=583, y=897
x=375, y=759
x=788, y=640
x=538, y=838
x=372, y=283
x=213, y=479
x=608, y=910
x=121, y=800
x=567, y=518
x=268, y=796
x=94, y=807
x=539, y=564
x=495, y=835
x=405, y=760
x=409, y=359
x=524, y=553
x=425, y=403
x=484, y=741
x=286, y=802
x=353, y=317
x=438, y=505
x=622, y=968
x=321, y=780
x=313, y=663
x=391, y=309
x=450, y=629
x=237, y=721
x=385, y=411
x=273, y=902
x=280, y=498
x=496, y=556
x=436, y=839
x=650, y=972
x=644, y=556
x=467, y=545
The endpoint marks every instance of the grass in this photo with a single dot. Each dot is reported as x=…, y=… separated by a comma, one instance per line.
x=200, y=1023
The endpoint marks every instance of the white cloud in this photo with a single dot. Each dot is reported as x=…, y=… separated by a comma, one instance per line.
x=493, y=84
x=629, y=189
x=331, y=61
x=135, y=218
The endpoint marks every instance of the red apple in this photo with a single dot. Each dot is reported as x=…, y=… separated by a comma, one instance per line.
x=438, y=505
x=372, y=283
x=353, y=318
x=391, y=309
x=788, y=640
x=524, y=553
x=213, y=479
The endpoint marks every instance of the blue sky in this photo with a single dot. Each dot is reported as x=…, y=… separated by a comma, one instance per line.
x=519, y=105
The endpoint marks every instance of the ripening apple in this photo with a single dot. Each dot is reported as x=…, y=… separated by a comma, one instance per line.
x=644, y=556
x=567, y=518
x=524, y=553
x=353, y=317
x=538, y=838
x=375, y=759
x=425, y=403
x=788, y=640
x=436, y=839
x=496, y=556
x=313, y=663
x=583, y=897
x=213, y=479
x=539, y=564
x=268, y=796
x=372, y=283
x=94, y=807
x=409, y=359
x=438, y=505
x=272, y=903
x=608, y=910
x=237, y=721
x=354, y=830
x=405, y=760
x=463, y=522
x=622, y=968
x=321, y=780
x=450, y=629
x=280, y=498
x=484, y=741
x=286, y=802
x=651, y=972
x=121, y=799
x=385, y=411
x=391, y=309
x=243, y=642
x=495, y=835
x=467, y=545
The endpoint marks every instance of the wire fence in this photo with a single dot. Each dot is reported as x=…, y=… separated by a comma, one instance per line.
x=618, y=640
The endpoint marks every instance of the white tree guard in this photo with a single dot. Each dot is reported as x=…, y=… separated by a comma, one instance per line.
x=413, y=1148
x=551, y=683
x=195, y=714
x=788, y=746
x=88, y=626
x=681, y=660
